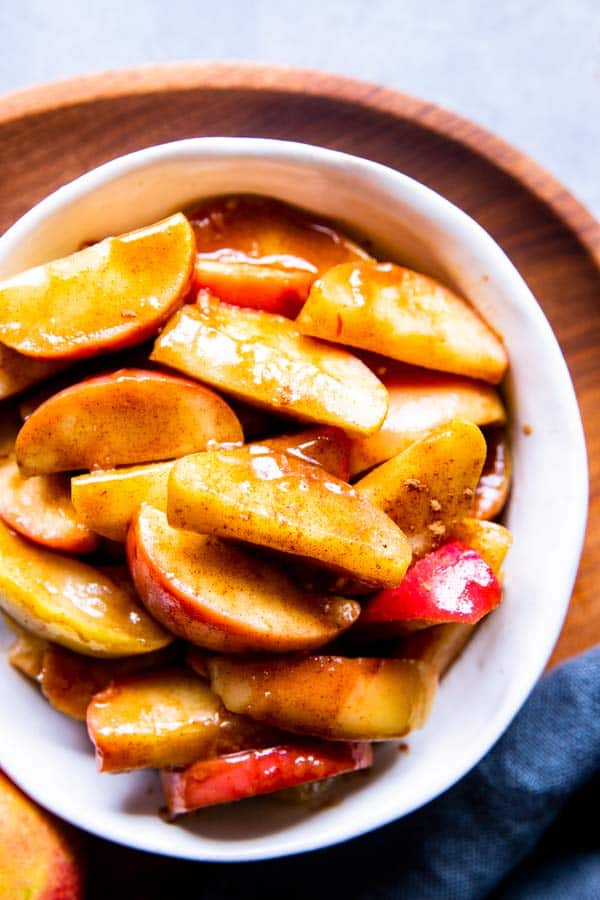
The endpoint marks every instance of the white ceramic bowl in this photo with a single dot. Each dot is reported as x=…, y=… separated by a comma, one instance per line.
x=50, y=756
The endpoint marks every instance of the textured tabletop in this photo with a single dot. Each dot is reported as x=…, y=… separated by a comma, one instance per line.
x=528, y=71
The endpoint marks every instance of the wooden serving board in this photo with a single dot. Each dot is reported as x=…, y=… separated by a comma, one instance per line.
x=51, y=134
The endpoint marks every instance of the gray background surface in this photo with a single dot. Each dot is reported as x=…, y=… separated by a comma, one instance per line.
x=529, y=70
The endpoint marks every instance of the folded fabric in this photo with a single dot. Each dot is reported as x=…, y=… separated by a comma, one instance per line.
x=476, y=840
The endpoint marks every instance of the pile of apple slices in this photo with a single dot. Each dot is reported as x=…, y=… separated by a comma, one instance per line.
x=285, y=502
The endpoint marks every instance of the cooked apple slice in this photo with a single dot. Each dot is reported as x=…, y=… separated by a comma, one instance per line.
x=431, y=485
x=327, y=447
x=451, y=584
x=277, y=284
x=66, y=601
x=40, y=508
x=10, y=424
x=38, y=859
x=107, y=499
x=276, y=500
x=238, y=776
x=113, y=294
x=442, y=644
x=260, y=227
x=263, y=358
x=18, y=372
x=168, y=717
x=333, y=697
x=491, y=540
x=493, y=487
x=219, y=596
x=69, y=680
x=419, y=402
x=130, y=416
x=405, y=315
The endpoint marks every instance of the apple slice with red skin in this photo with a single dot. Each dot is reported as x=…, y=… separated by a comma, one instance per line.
x=451, y=584
x=261, y=253
x=38, y=858
x=250, y=773
x=126, y=417
x=114, y=294
x=277, y=284
x=222, y=597
x=40, y=508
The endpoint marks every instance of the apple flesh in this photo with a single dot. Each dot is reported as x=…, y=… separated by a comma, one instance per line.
x=169, y=717
x=490, y=539
x=113, y=294
x=40, y=508
x=129, y=416
x=431, y=485
x=451, y=584
x=69, y=680
x=38, y=861
x=275, y=500
x=331, y=697
x=251, y=773
x=263, y=359
x=421, y=401
x=107, y=499
x=26, y=653
x=402, y=314
x=62, y=599
x=219, y=596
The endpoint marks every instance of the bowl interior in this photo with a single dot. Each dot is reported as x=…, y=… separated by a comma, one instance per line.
x=412, y=225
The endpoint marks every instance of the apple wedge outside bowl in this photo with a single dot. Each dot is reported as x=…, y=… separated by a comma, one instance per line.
x=50, y=756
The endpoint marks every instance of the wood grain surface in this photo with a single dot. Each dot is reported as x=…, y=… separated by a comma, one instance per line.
x=51, y=134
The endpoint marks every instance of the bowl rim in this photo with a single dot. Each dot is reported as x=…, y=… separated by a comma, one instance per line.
x=466, y=227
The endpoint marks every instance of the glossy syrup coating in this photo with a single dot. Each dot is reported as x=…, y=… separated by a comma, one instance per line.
x=113, y=294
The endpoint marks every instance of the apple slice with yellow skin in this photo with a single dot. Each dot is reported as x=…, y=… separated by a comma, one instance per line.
x=67, y=601
x=275, y=500
x=332, y=697
x=262, y=358
x=419, y=402
x=219, y=596
x=107, y=499
x=40, y=508
x=129, y=416
x=19, y=372
x=494, y=485
x=169, y=717
x=326, y=447
x=402, y=314
x=38, y=861
x=431, y=485
x=251, y=773
x=441, y=645
x=69, y=680
x=113, y=294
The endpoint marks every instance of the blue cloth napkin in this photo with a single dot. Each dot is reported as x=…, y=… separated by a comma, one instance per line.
x=521, y=826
